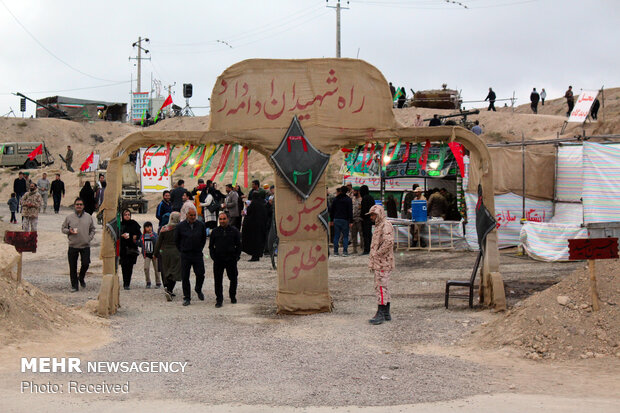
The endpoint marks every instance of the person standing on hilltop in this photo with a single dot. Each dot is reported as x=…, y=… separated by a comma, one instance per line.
x=543, y=96
x=534, y=98
x=57, y=189
x=570, y=100
x=69, y=159
x=402, y=98
x=491, y=98
x=392, y=90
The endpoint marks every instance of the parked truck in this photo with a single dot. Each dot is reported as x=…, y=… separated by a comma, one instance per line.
x=15, y=154
x=131, y=195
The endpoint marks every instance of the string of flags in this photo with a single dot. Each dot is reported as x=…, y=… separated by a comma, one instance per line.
x=200, y=158
x=362, y=156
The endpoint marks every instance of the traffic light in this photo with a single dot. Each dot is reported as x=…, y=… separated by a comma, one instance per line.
x=187, y=90
x=22, y=104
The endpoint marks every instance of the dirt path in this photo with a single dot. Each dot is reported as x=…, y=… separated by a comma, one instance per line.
x=245, y=356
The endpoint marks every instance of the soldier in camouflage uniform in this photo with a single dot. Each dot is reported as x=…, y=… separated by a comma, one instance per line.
x=31, y=205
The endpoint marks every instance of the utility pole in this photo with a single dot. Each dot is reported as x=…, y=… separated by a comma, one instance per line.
x=338, y=7
x=138, y=44
x=170, y=88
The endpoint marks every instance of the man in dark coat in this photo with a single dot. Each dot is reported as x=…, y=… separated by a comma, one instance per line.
x=164, y=208
x=254, y=231
x=176, y=195
x=491, y=98
x=534, y=99
x=367, y=202
x=57, y=189
x=191, y=237
x=341, y=214
x=19, y=186
x=225, y=250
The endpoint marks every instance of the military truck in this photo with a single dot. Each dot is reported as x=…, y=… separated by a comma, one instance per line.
x=15, y=154
x=131, y=195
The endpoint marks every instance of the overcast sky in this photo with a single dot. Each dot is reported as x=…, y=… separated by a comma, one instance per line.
x=80, y=48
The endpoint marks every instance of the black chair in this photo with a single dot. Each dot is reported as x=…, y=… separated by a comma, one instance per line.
x=470, y=284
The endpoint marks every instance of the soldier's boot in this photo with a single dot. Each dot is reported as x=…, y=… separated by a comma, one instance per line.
x=379, y=317
x=386, y=314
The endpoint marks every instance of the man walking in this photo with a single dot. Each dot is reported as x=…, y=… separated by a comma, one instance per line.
x=31, y=205
x=190, y=238
x=231, y=204
x=80, y=229
x=57, y=189
x=164, y=209
x=225, y=250
x=491, y=98
x=44, y=186
x=543, y=96
x=570, y=100
x=20, y=186
x=367, y=202
x=534, y=98
x=69, y=159
x=381, y=262
x=341, y=214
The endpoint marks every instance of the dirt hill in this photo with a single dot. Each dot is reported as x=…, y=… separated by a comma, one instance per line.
x=559, y=323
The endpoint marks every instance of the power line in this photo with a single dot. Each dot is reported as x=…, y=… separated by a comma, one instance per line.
x=73, y=89
x=49, y=51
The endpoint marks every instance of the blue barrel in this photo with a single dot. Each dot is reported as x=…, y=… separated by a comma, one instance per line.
x=418, y=211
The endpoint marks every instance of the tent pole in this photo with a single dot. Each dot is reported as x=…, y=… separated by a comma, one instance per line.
x=523, y=175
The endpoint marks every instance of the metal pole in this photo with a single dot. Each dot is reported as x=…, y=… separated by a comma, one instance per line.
x=523, y=174
x=139, y=86
x=338, y=29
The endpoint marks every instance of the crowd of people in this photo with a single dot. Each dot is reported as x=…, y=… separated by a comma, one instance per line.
x=187, y=220
x=190, y=221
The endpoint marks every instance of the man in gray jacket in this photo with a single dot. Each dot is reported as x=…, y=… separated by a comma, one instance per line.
x=80, y=230
x=231, y=204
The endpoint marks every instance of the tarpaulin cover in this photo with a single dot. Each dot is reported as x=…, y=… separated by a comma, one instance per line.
x=570, y=173
x=507, y=173
x=549, y=241
x=508, y=213
x=601, y=183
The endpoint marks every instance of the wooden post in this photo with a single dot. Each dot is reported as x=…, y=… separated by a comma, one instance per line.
x=593, y=289
x=19, y=268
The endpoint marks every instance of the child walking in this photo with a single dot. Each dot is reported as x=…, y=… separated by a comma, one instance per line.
x=13, y=207
x=149, y=239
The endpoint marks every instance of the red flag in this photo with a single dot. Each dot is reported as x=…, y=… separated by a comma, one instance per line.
x=458, y=151
x=424, y=157
x=167, y=102
x=36, y=152
x=87, y=162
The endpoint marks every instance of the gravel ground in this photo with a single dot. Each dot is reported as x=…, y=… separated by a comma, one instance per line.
x=246, y=353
